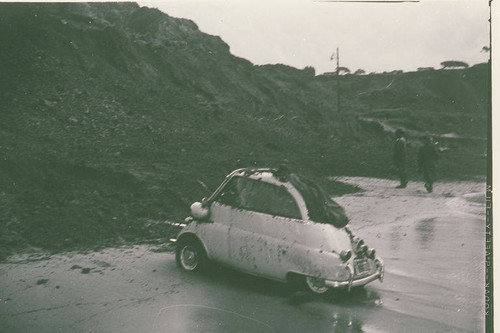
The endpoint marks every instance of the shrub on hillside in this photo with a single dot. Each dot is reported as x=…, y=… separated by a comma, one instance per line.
x=454, y=64
x=344, y=70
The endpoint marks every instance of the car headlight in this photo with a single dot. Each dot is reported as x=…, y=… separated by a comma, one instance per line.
x=198, y=211
x=341, y=273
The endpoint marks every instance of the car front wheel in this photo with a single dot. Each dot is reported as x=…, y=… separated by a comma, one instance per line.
x=190, y=255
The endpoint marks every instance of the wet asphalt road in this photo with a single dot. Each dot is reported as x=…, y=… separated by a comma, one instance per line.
x=432, y=244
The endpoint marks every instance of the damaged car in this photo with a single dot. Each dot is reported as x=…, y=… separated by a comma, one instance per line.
x=275, y=224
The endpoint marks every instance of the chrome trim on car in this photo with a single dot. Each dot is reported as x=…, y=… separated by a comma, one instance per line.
x=380, y=265
x=379, y=274
x=351, y=276
x=175, y=224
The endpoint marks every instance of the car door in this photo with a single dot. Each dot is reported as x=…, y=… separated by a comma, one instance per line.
x=263, y=228
x=216, y=230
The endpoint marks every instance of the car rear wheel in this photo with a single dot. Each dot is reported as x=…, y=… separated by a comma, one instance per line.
x=190, y=255
x=316, y=285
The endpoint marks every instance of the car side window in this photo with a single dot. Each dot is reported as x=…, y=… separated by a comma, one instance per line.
x=259, y=196
x=268, y=198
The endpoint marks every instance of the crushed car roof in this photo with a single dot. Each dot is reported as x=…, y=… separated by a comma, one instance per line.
x=321, y=207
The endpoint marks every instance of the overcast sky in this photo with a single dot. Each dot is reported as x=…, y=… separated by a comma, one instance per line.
x=371, y=36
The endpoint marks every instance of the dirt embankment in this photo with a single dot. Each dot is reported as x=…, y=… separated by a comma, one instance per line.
x=116, y=118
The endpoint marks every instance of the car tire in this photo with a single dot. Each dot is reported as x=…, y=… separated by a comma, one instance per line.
x=316, y=285
x=190, y=255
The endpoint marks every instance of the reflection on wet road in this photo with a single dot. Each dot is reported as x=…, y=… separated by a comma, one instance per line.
x=432, y=246
x=202, y=318
x=243, y=303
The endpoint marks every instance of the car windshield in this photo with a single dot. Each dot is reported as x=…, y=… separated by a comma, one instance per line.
x=320, y=205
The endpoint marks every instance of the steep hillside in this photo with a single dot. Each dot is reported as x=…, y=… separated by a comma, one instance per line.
x=115, y=118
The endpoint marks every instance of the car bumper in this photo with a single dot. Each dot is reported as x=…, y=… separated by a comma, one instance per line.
x=378, y=275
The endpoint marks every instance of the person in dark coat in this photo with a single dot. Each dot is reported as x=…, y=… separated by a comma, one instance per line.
x=427, y=159
x=399, y=158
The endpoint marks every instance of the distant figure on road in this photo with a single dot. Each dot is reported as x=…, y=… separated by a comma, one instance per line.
x=427, y=159
x=399, y=158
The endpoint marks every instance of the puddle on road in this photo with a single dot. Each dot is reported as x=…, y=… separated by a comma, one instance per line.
x=432, y=245
x=433, y=267
x=342, y=311
x=342, y=322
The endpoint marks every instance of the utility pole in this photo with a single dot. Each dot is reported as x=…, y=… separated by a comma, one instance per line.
x=338, y=78
x=338, y=83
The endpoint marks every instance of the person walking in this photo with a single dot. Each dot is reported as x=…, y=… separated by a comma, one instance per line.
x=427, y=159
x=399, y=157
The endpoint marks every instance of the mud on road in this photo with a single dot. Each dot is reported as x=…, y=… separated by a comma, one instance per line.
x=432, y=244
